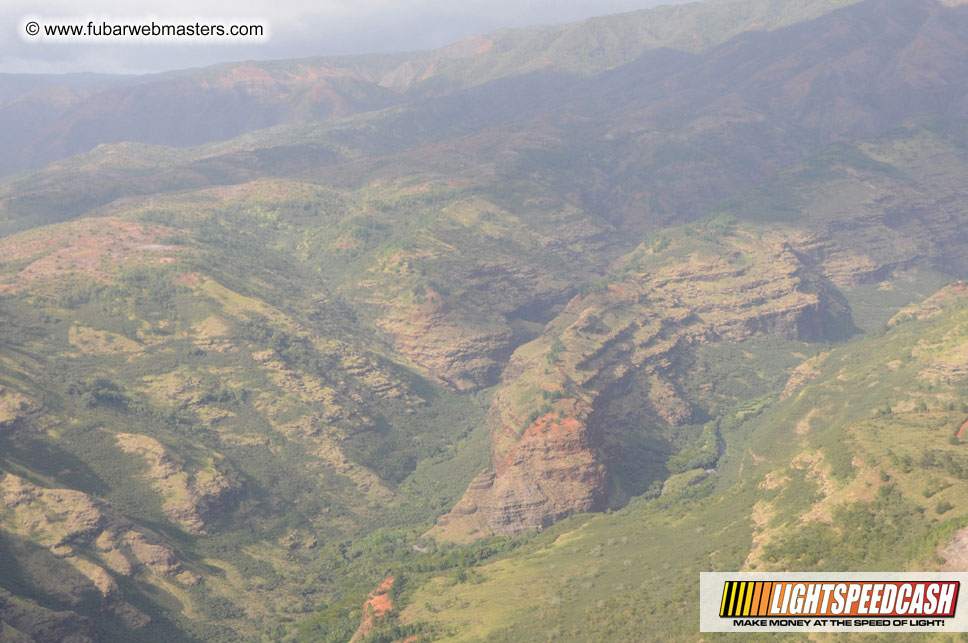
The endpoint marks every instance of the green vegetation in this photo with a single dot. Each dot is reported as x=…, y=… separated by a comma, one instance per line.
x=240, y=383
x=701, y=454
x=260, y=348
x=282, y=396
x=893, y=499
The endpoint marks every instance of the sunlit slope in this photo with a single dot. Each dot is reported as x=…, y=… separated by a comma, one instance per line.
x=241, y=381
x=178, y=441
x=608, y=401
x=858, y=465
x=251, y=376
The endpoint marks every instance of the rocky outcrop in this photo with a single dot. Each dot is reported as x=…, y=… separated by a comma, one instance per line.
x=189, y=497
x=867, y=226
x=552, y=471
x=66, y=521
x=24, y=620
x=803, y=374
x=955, y=552
x=711, y=284
x=933, y=305
x=14, y=406
x=85, y=542
x=551, y=448
x=463, y=353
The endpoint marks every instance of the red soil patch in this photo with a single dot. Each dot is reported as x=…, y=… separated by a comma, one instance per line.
x=345, y=243
x=94, y=248
x=620, y=291
x=247, y=76
x=961, y=431
x=953, y=289
x=472, y=46
x=375, y=607
x=552, y=424
x=561, y=421
x=190, y=279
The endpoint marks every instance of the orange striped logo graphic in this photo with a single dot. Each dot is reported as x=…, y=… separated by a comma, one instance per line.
x=746, y=598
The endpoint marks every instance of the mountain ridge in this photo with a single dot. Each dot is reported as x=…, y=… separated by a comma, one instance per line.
x=331, y=87
x=424, y=341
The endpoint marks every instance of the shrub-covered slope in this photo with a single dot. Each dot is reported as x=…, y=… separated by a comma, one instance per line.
x=245, y=383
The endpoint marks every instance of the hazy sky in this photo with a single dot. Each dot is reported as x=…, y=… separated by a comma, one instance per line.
x=296, y=28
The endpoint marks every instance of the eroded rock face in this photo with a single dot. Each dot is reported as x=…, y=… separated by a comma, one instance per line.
x=955, y=552
x=189, y=497
x=66, y=521
x=84, y=540
x=620, y=345
x=41, y=624
x=461, y=353
x=14, y=406
x=550, y=477
x=551, y=449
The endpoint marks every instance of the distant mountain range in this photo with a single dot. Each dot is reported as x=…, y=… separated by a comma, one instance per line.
x=45, y=118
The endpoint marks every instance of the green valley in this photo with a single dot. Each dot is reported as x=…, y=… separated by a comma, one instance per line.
x=507, y=341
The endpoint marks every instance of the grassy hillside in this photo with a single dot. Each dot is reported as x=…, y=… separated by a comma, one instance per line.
x=858, y=468
x=651, y=266
x=244, y=438
x=264, y=394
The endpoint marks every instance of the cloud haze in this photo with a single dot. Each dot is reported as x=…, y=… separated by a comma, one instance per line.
x=297, y=28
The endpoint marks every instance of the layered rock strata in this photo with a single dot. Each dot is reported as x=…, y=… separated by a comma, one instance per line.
x=549, y=446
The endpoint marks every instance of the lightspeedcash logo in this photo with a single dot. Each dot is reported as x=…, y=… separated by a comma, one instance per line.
x=866, y=598
x=832, y=602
